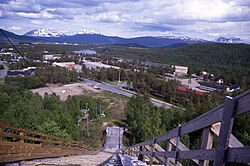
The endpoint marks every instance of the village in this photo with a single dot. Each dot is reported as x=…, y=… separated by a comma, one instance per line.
x=198, y=83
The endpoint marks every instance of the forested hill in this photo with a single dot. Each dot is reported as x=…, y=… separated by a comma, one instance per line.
x=227, y=60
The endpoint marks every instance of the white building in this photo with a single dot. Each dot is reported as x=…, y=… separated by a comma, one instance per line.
x=52, y=56
x=98, y=64
x=181, y=69
x=67, y=65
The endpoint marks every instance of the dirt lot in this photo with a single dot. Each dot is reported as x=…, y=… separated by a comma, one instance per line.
x=65, y=90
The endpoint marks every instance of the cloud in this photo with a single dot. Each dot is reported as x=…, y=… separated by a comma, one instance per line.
x=36, y=22
x=110, y=17
x=15, y=28
x=119, y=17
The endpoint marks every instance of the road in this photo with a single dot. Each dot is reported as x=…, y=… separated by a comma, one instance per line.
x=3, y=72
x=113, y=140
x=118, y=90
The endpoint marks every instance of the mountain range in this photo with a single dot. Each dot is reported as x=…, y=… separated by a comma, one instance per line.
x=91, y=37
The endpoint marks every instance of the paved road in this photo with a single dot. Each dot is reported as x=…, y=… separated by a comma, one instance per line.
x=111, y=88
x=3, y=72
x=118, y=90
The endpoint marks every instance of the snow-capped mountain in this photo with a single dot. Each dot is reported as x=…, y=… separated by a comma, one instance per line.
x=229, y=40
x=44, y=32
x=85, y=31
x=184, y=38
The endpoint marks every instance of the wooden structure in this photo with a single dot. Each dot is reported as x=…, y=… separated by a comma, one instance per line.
x=218, y=122
x=18, y=144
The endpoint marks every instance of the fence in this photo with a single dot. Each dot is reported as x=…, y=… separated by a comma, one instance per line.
x=19, y=144
x=218, y=121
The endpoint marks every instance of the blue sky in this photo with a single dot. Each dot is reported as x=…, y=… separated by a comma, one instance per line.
x=208, y=19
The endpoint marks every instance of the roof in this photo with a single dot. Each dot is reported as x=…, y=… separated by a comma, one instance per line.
x=212, y=85
x=63, y=64
x=235, y=86
x=181, y=67
x=20, y=72
x=184, y=89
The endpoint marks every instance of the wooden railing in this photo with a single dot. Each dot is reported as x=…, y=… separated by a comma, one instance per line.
x=218, y=121
x=18, y=144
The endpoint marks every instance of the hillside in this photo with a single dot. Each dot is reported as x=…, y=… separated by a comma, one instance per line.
x=226, y=60
x=18, y=38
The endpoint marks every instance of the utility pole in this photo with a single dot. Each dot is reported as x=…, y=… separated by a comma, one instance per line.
x=87, y=119
x=119, y=76
x=119, y=140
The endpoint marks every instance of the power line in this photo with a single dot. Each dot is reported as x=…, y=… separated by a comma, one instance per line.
x=27, y=61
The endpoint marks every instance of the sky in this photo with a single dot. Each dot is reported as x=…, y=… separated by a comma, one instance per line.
x=207, y=19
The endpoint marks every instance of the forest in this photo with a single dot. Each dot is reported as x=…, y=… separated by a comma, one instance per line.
x=50, y=115
x=45, y=73
x=228, y=61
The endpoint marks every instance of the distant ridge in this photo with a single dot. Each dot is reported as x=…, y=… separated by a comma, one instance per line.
x=91, y=37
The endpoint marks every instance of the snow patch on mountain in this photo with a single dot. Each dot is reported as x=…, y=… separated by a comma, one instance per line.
x=232, y=40
x=184, y=38
x=44, y=32
x=85, y=31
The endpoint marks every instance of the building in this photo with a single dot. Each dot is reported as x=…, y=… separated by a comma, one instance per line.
x=207, y=86
x=98, y=64
x=185, y=89
x=52, y=56
x=25, y=72
x=181, y=69
x=67, y=65
x=85, y=52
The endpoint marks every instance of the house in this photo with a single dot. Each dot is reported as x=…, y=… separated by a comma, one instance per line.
x=67, y=65
x=181, y=69
x=52, y=56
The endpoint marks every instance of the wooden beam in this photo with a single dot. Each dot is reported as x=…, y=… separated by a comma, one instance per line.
x=207, y=143
x=229, y=111
x=239, y=154
x=152, y=154
x=168, y=149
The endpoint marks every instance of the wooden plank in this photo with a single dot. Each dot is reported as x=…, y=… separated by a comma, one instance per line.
x=5, y=134
x=239, y=154
x=203, y=121
x=243, y=103
x=182, y=147
x=229, y=111
x=168, y=149
x=27, y=151
x=152, y=150
x=207, y=143
x=5, y=125
x=205, y=154
x=171, y=134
